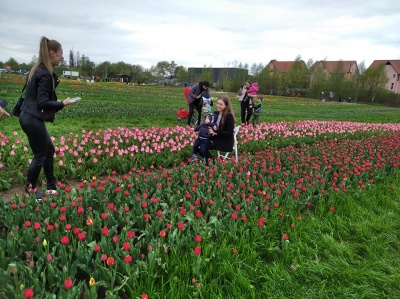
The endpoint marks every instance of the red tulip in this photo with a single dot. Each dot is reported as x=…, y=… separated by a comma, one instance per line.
x=127, y=259
x=36, y=226
x=104, y=231
x=181, y=226
x=28, y=293
x=68, y=283
x=197, y=250
x=110, y=261
x=64, y=240
x=126, y=246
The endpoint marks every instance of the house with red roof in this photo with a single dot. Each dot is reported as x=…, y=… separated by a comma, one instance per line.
x=348, y=69
x=283, y=66
x=392, y=69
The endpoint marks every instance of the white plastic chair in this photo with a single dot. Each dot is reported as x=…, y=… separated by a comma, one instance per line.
x=235, y=131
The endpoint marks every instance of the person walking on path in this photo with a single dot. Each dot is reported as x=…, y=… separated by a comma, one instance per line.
x=40, y=106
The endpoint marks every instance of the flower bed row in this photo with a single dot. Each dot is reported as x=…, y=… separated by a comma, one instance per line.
x=112, y=235
x=99, y=152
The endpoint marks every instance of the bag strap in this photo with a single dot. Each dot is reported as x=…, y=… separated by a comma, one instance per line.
x=26, y=81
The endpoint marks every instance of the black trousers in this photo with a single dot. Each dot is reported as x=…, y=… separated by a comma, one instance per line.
x=195, y=105
x=244, y=107
x=42, y=148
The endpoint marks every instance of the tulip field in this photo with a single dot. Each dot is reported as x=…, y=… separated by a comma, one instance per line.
x=310, y=210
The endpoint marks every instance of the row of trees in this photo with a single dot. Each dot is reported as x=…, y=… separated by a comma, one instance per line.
x=365, y=86
x=162, y=71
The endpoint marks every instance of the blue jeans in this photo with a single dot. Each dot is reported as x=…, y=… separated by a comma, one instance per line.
x=201, y=146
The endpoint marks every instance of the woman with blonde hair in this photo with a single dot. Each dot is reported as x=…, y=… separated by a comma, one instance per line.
x=40, y=105
x=222, y=134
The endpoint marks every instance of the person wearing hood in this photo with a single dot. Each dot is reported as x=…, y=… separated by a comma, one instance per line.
x=206, y=131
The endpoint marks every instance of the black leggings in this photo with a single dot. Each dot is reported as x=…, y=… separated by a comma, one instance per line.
x=244, y=107
x=42, y=148
x=195, y=105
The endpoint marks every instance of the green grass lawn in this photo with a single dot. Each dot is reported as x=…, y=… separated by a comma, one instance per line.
x=112, y=105
x=345, y=244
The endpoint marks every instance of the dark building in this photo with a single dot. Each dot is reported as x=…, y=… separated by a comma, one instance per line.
x=123, y=78
x=217, y=74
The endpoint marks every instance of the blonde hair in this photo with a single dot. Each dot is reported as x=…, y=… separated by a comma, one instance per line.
x=228, y=109
x=46, y=45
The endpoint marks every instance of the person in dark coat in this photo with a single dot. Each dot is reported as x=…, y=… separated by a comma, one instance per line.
x=40, y=106
x=222, y=139
x=195, y=95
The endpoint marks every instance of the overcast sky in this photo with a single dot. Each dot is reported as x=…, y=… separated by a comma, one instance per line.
x=193, y=33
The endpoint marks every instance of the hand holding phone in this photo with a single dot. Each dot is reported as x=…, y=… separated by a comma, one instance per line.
x=75, y=99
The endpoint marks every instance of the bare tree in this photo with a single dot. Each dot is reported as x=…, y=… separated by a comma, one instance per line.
x=34, y=59
x=71, y=58
x=309, y=63
x=253, y=69
x=361, y=67
x=78, y=59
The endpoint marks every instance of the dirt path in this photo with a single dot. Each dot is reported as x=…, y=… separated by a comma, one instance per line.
x=19, y=189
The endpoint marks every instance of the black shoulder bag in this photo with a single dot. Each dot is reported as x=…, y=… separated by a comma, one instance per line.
x=17, y=108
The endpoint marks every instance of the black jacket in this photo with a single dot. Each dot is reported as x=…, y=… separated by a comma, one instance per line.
x=40, y=98
x=203, y=129
x=224, y=140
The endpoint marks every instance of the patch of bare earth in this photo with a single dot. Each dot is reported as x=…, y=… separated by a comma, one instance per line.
x=18, y=190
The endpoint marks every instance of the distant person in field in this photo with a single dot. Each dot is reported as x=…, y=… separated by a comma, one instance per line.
x=322, y=96
x=195, y=95
x=245, y=97
x=331, y=96
x=40, y=105
x=206, y=105
x=257, y=110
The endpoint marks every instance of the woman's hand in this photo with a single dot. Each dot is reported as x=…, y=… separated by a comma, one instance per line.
x=3, y=112
x=211, y=131
x=68, y=101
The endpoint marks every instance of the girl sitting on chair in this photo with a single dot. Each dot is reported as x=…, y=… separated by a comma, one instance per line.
x=222, y=136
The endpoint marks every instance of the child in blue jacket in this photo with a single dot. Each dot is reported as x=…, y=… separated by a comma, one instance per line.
x=201, y=143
